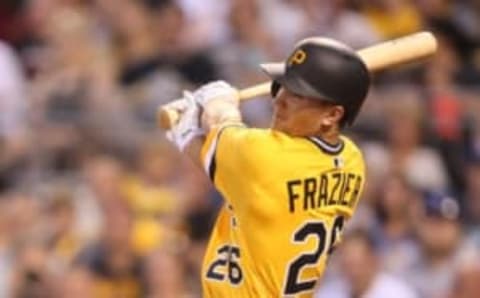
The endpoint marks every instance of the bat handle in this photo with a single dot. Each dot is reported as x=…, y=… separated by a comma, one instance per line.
x=254, y=91
x=167, y=116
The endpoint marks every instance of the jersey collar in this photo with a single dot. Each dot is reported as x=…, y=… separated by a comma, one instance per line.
x=327, y=147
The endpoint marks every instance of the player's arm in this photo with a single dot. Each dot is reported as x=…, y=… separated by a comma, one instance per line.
x=204, y=112
x=193, y=150
x=220, y=118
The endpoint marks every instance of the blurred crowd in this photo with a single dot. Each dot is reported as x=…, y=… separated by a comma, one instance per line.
x=95, y=203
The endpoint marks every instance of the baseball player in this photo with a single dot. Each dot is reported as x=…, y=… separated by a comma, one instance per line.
x=289, y=189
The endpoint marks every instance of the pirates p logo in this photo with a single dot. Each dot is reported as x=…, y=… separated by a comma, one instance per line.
x=298, y=57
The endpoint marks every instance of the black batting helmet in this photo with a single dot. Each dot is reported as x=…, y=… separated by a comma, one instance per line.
x=325, y=69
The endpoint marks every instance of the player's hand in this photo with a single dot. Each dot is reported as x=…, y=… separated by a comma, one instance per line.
x=188, y=126
x=220, y=103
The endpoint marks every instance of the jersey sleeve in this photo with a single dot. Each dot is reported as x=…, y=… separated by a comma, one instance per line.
x=232, y=150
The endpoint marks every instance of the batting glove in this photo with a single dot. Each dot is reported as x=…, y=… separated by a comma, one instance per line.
x=220, y=103
x=188, y=126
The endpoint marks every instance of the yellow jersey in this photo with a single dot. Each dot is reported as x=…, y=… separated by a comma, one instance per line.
x=287, y=200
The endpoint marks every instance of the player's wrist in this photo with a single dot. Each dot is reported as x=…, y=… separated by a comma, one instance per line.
x=220, y=104
x=219, y=112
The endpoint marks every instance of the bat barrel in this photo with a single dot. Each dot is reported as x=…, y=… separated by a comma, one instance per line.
x=403, y=50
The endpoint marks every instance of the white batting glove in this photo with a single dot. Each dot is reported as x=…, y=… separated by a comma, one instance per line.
x=220, y=103
x=188, y=126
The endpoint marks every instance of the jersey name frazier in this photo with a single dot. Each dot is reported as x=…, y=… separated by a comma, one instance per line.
x=336, y=188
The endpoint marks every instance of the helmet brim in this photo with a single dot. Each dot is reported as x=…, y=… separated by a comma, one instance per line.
x=277, y=72
x=273, y=70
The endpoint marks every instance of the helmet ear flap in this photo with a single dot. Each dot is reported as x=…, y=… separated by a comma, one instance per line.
x=274, y=88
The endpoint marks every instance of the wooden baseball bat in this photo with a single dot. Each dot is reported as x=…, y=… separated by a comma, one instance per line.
x=378, y=57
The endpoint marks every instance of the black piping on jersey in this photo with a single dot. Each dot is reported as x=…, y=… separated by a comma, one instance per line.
x=213, y=164
x=213, y=167
x=326, y=147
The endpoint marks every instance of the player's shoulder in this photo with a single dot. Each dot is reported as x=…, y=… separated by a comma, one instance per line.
x=241, y=144
x=258, y=137
x=351, y=146
x=254, y=136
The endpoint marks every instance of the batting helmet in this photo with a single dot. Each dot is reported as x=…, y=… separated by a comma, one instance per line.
x=325, y=69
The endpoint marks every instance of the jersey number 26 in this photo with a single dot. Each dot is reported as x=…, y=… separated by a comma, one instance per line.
x=319, y=230
x=227, y=261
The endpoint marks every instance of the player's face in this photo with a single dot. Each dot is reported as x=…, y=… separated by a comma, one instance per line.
x=302, y=116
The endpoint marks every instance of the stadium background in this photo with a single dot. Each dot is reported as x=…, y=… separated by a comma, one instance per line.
x=95, y=203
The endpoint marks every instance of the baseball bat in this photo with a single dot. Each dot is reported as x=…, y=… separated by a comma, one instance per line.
x=378, y=57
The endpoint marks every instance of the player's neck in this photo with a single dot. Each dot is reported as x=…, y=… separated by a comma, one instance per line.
x=330, y=135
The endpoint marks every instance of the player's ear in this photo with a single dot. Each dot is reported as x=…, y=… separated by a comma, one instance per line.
x=333, y=114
